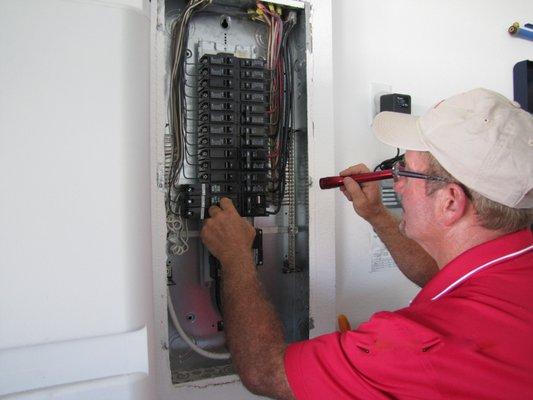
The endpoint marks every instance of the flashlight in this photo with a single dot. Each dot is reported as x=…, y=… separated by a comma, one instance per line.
x=337, y=181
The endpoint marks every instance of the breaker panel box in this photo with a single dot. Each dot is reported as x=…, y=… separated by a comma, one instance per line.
x=232, y=140
x=231, y=122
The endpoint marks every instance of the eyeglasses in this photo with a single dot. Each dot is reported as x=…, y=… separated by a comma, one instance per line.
x=398, y=169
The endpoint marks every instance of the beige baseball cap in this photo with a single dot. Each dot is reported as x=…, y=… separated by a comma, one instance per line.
x=480, y=137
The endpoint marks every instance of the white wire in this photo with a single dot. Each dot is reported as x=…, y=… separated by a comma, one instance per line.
x=187, y=339
x=178, y=237
x=178, y=232
x=177, y=228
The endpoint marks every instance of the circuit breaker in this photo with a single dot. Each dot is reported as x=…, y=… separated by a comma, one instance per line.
x=232, y=136
x=233, y=123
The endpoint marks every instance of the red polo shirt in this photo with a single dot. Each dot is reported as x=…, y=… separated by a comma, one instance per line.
x=467, y=335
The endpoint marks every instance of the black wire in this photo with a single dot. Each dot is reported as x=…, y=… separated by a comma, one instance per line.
x=215, y=272
x=218, y=299
x=190, y=163
x=185, y=175
x=388, y=163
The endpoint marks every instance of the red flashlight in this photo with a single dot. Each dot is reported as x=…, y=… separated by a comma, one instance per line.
x=337, y=181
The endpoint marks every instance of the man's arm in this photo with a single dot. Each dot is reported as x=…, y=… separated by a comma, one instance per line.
x=414, y=262
x=253, y=330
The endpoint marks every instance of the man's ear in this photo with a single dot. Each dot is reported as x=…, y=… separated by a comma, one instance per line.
x=453, y=203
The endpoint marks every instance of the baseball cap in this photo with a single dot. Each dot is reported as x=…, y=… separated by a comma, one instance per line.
x=480, y=137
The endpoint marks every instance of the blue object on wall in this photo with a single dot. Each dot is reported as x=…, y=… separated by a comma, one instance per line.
x=525, y=33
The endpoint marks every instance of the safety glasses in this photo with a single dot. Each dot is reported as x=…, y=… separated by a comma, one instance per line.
x=398, y=170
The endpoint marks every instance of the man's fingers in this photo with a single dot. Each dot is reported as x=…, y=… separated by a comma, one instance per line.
x=345, y=193
x=224, y=205
x=214, y=210
x=351, y=186
x=355, y=169
x=227, y=205
x=356, y=194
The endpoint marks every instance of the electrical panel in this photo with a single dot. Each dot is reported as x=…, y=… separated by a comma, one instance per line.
x=235, y=126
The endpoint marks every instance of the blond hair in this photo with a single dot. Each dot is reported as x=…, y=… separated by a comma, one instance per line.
x=490, y=214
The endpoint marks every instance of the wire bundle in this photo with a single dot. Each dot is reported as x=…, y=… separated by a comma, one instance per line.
x=177, y=230
x=272, y=18
x=280, y=65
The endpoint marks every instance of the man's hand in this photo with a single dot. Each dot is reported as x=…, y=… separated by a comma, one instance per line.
x=365, y=197
x=226, y=234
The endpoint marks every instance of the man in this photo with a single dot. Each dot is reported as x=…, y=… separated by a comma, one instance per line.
x=466, y=190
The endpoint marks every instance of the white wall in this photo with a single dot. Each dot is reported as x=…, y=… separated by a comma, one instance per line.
x=429, y=49
x=75, y=254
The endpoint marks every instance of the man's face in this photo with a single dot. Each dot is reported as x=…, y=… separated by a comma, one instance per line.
x=418, y=208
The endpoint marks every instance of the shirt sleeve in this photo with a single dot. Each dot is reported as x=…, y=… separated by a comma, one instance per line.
x=382, y=359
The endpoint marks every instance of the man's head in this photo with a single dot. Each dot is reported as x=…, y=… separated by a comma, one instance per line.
x=481, y=143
